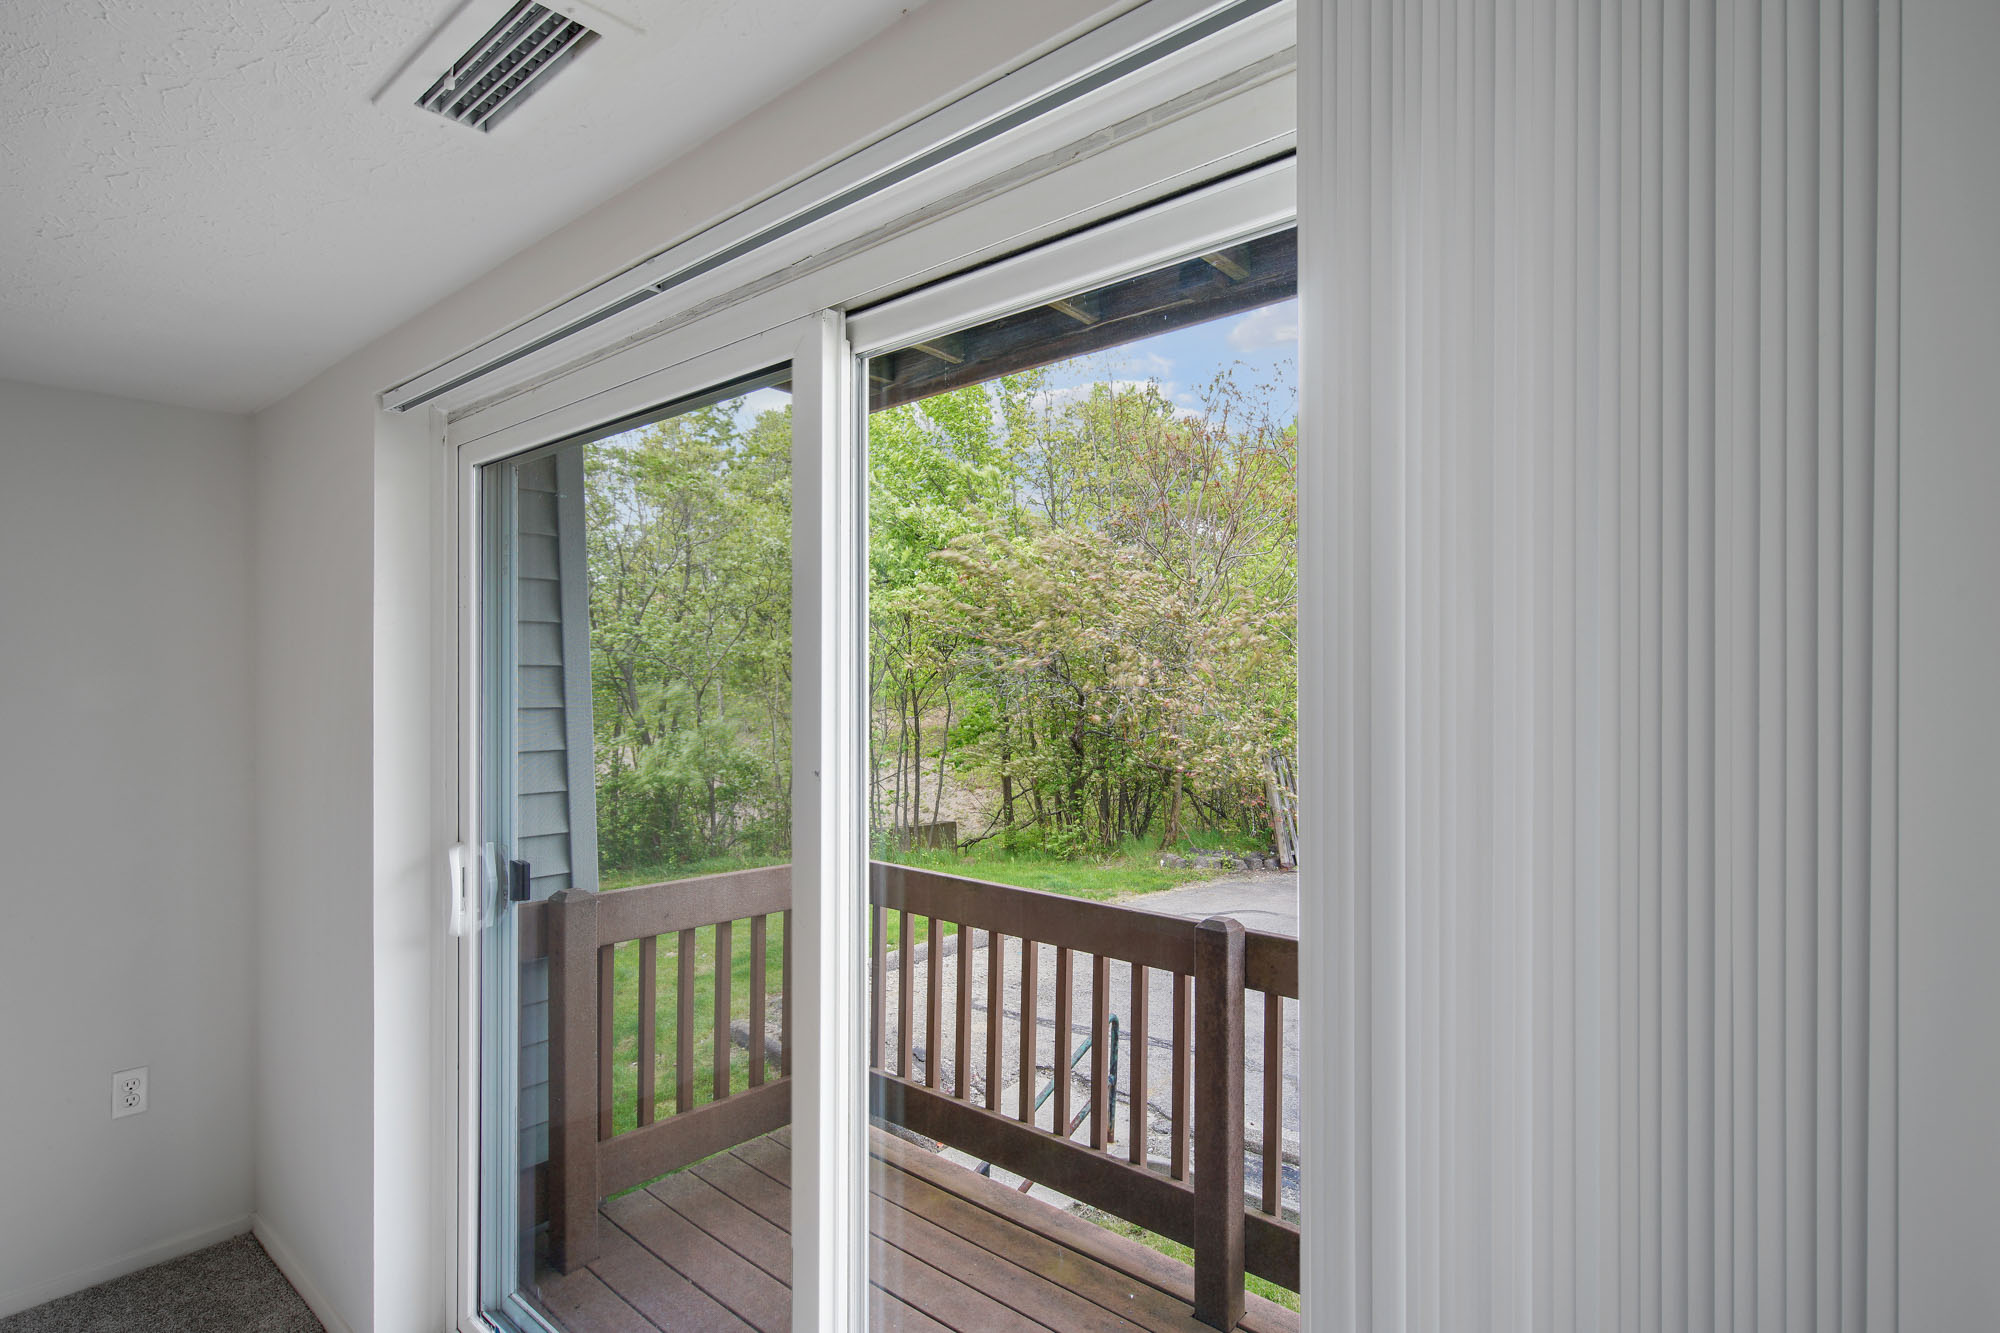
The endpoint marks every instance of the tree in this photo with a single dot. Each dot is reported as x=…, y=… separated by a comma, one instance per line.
x=688, y=535
x=1108, y=597
x=1082, y=618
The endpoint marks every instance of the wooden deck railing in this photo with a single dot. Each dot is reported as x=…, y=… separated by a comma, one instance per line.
x=1197, y=1199
x=1211, y=964
x=587, y=1159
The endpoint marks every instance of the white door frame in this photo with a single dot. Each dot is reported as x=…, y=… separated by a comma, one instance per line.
x=829, y=838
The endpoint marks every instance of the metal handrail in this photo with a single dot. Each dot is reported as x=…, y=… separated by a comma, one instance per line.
x=986, y=1168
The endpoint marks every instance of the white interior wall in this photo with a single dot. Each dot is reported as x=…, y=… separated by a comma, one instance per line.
x=349, y=829
x=1950, y=788
x=314, y=839
x=125, y=814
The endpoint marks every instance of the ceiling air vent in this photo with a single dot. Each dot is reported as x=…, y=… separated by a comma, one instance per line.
x=513, y=59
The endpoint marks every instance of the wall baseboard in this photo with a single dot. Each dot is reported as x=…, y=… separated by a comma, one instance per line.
x=27, y=1298
x=295, y=1273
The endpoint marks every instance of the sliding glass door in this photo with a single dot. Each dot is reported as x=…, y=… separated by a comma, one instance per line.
x=889, y=868
x=641, y=931
x=1082, y=956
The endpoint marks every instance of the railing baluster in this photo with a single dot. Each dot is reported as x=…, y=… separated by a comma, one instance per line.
x=758, y=1000
x=1177, y=1149
x=996, y=981
x=1100, y=1042
x=1031, y=955
x=906, y=1000
x=684, y=1024
x=785, y=1001
x=649, y=1003
x=933, y=1004
x=878, y=977
x=607, y=1007
x=1274, y=1079
x=1060, y=1078
x=725, y=949
x=962, y=1033
x=1135, y=1067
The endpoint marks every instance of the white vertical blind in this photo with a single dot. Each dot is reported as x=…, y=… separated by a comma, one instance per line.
x=1599, y=487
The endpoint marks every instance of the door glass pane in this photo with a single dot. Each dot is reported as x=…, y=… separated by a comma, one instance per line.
x=637, y=597
x=1083, y=924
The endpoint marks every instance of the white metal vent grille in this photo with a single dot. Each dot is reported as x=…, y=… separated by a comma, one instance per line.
x=515, y=57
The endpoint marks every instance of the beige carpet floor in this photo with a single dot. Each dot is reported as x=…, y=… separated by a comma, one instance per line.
x=228, y=1288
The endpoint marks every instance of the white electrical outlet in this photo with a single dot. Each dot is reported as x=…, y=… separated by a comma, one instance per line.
x=128, y=1092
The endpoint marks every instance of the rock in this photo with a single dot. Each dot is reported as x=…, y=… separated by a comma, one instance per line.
x=1172, y=862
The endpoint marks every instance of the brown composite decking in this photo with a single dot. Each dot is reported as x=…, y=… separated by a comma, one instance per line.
x=710, y=1248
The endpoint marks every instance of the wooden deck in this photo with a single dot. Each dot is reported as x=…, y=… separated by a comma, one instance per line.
x=710, y=1248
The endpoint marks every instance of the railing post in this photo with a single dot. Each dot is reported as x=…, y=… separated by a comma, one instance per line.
x=1218, y=1122
x=573, y=1193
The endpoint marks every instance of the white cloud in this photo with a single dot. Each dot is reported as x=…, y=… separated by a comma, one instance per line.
x=758, y=401
x=1071, y=393
x=1270, y=326
x=1118, y=364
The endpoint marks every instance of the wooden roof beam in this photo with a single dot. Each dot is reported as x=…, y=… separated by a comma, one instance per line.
x=1085, y=310
x=1227, y=265
x=950, y=350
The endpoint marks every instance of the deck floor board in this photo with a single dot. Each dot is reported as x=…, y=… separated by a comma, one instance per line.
x=655, y=1289
x=756, y=1238
x=710, y=1247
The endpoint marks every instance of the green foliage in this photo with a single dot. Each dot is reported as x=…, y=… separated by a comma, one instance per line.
x=1084, y=607
x=689, y=540
x=1082, y=621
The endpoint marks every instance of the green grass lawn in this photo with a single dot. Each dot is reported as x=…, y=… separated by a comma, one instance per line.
x=1133, y=868
x=715, y=865
x=625, y=1006
x=1253, y=1284
x=625, y=1023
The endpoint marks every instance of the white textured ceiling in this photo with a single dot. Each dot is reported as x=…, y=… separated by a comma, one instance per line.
x=200, y=204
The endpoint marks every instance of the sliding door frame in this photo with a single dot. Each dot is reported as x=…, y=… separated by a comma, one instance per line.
x=1252, y=203
x=829, y=609
x=1240, y=208
x=1224, y=169
x=828, y=1114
